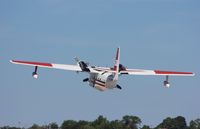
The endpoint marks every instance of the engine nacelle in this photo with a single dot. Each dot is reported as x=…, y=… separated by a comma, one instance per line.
x=121, y=67
x=84, y=66
x=166, y=84
x=35, y=75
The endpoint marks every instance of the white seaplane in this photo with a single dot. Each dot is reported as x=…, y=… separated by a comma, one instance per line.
x=103, y=78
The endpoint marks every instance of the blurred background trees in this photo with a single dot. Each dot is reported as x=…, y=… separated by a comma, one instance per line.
x=127, y=122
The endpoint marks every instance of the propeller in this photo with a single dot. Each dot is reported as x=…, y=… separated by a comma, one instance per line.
x=86, y=79
x=118, y=86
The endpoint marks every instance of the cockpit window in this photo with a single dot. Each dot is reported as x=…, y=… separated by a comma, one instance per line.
x=110, y=77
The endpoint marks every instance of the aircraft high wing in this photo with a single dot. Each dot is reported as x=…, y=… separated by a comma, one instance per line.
x=155, y=72
x=48, y=65
x=103, y=78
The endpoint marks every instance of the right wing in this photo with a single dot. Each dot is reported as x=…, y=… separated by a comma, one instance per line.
x=48, y=65
x=155, y=72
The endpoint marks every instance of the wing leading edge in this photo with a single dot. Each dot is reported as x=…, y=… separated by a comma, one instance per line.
x=48, y=65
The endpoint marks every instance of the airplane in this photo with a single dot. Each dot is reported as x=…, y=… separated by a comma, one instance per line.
x=103, y=78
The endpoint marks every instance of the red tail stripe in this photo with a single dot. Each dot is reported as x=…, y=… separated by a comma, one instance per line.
x=170, y=72
x=115, y=68
x=33, y=63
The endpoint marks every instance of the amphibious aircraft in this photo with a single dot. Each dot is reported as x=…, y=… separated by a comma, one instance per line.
x=102, y=78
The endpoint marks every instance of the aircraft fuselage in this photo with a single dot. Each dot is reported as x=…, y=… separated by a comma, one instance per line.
x=102, y=81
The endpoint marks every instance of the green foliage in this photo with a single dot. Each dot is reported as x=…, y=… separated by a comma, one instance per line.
x=35, y=126
x=180, y=122
x=116, y=124
x=195, y=124
x=8, y=127
x=83, y=125
x=87, y=127
x=127, y=122
x=69, y=124
x=131, y=122
x=101, y=123
x=53, y=125
x=173, y=123
x=145, y=127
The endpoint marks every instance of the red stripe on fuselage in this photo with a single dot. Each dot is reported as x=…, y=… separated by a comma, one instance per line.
x=170, y=72
x=100, y=83
x=33, y=63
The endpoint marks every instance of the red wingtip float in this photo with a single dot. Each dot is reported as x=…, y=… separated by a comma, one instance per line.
x=103, y=78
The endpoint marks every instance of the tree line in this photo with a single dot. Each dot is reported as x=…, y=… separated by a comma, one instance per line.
x=127, y=122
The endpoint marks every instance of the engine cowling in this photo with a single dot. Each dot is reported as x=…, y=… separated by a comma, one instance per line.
x=84, y=66
x=121, y=67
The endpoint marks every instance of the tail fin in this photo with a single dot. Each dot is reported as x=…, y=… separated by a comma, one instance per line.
x=116, y=66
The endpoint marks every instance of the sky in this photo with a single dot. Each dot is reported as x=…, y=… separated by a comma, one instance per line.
x=157, y=34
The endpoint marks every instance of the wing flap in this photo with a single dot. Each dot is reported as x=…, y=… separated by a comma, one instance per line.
x=67, y=67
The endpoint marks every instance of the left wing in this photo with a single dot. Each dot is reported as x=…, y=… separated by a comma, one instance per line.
x=158, y=73
x=155, y=72
x=48, y=65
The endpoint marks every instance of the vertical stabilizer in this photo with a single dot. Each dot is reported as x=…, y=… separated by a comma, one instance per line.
x=116, y=66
